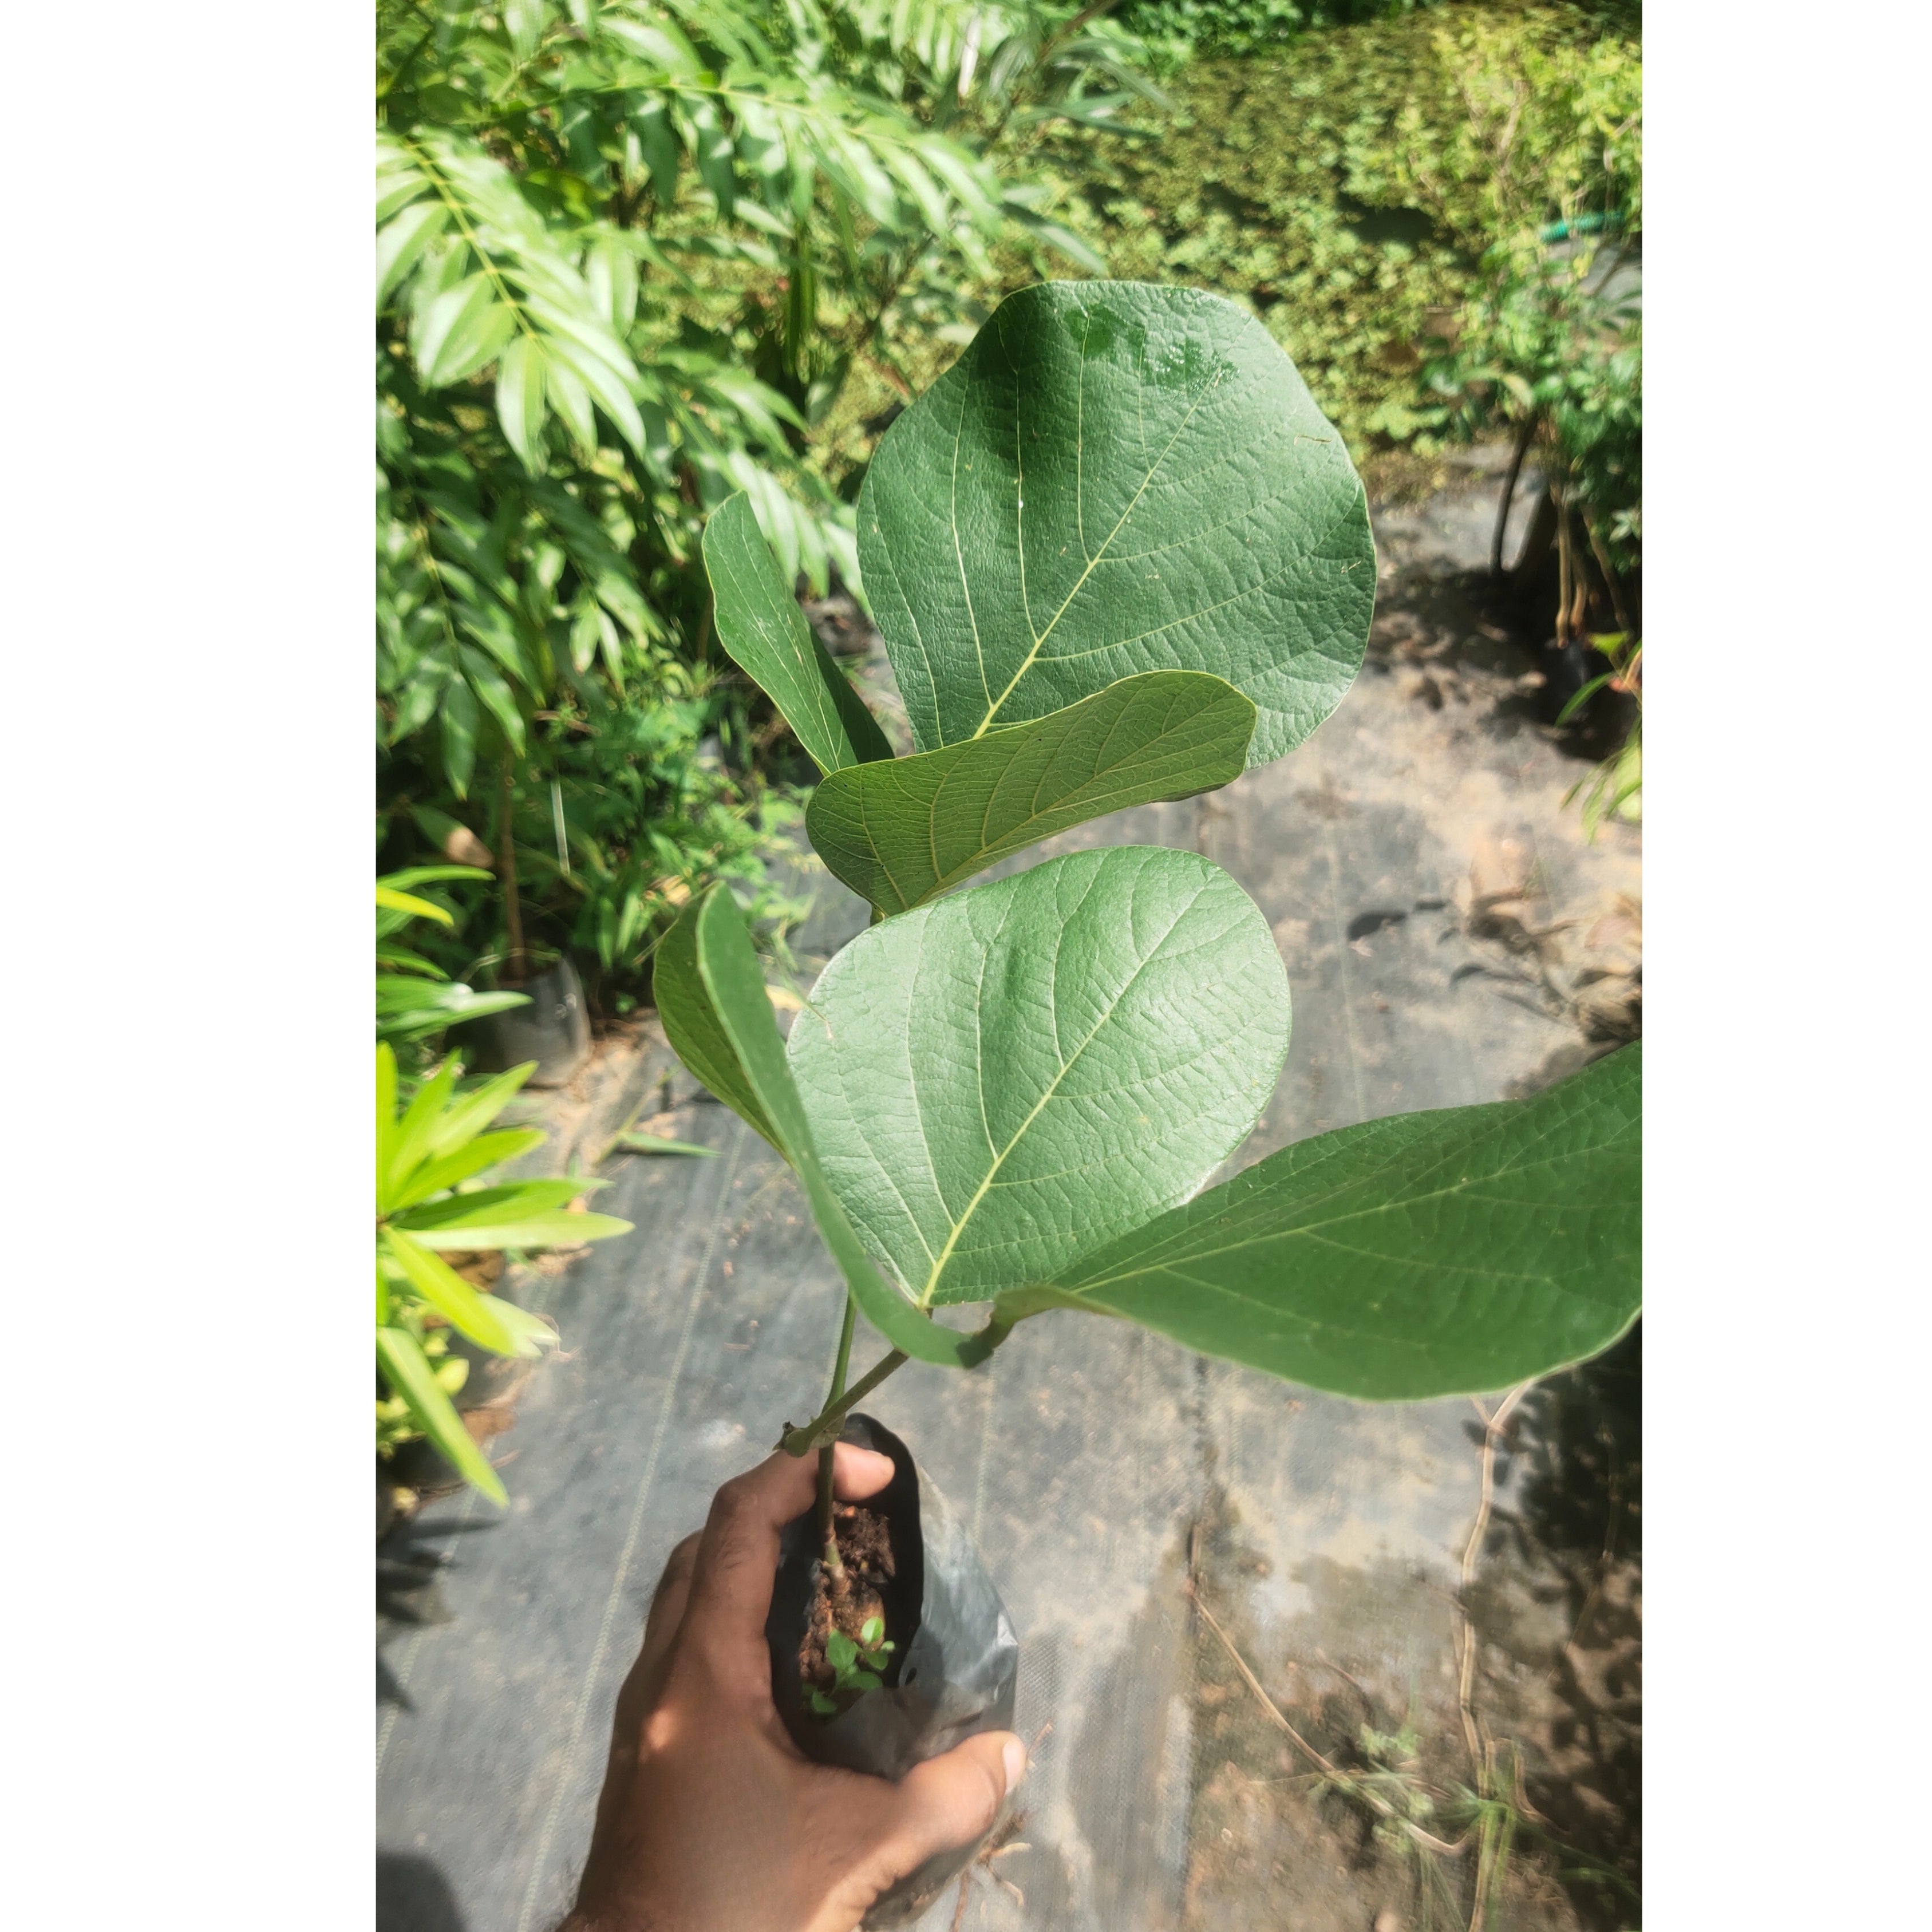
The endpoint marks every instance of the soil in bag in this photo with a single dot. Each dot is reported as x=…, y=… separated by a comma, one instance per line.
x=953, y=1669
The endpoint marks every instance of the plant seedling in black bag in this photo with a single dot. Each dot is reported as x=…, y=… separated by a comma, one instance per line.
x=856, y=1663
x=1116, y=555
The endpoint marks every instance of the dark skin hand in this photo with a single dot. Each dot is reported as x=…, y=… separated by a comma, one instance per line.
x=711, y=1819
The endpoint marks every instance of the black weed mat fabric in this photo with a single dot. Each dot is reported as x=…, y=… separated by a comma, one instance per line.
x=1108, y=1480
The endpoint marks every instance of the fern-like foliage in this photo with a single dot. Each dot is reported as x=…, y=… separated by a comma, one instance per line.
x=606, y=232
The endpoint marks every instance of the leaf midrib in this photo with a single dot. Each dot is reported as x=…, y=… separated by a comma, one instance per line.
x=1019, y=468
x=1313, y=1229
x=1053, y=1087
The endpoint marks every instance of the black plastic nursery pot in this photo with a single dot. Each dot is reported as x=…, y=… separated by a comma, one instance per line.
x=554, y=1030
x=953, y=1671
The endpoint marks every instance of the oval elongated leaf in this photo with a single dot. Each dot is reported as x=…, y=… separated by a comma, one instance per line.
x=1432, y=1254
x=899, y=832
x=656, y=1144
x=558, y=1228
x=406, y=1010
x=695, y=1028
x=411, y=1146
x=474, y=1111
x=390, y=900
x=732, y=991
x=458, y=718
x=385, y=1108
x=512, y=1200
x=407, y=1370
x=1003, y=1081
x=486, y=1151
x=520, y=400
x=1113, y=478
x=462, y=329
x=400, y=244
x=759, y=624
x=457, y=1301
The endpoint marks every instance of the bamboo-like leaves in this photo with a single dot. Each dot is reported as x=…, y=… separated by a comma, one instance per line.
x=408, y=1371
x=721, y=976
x=425, y=1157
x=483, y=275
x=1003, y=1081
x=1116, y=478
x=1430, y=1254
x=760, y=625
x=900, y=832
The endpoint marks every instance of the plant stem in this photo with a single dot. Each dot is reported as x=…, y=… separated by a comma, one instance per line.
x=1473, y=1731
x=1610, y=583
x=802, y=1441
x=513, y=911
x=1563, y=568
x=828, y=1537
x=1516, y=455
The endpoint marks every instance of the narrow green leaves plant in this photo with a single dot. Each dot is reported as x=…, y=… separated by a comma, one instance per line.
x=431, y=1200
x=414, y=997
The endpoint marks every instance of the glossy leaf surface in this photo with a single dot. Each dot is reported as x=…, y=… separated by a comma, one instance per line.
x=1116, y=478
x=1430, y=1254
x=1002, y=1082
x=903, y=830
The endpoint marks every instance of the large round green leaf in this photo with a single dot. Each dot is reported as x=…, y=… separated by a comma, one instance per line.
x=1116, y=478
x=1001, y=1082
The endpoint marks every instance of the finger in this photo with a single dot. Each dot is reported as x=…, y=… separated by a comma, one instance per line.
x=644, y=1683
x=667, y=1612
x=641, y=1685
x=731, y=1587
x=948, y=1802
x=856, y=1473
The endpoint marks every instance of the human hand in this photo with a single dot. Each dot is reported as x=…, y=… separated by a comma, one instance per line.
x=711, y=1819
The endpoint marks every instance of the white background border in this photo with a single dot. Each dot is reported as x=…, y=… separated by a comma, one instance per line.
x=186, y=645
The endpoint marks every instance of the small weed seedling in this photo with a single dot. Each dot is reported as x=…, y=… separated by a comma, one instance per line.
x=858, y=1665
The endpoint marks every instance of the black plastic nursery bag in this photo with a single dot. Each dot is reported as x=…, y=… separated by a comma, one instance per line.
x=951, y=1676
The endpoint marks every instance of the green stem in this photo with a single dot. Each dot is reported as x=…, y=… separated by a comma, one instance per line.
x=828, y=1538
x=824, y=1427
x=802, y=1441
x=519, y=963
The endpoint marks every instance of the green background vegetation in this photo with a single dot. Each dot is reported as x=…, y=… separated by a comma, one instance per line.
x=671, y=252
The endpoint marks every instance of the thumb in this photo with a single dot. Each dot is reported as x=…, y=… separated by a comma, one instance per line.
x=948, y=1802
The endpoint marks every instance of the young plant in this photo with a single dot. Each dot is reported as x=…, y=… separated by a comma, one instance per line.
x=1116, y=555
x=432, y=1199
x=857, y=1664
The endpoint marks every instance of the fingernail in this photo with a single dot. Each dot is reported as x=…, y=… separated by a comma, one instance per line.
x=1013, y=1757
